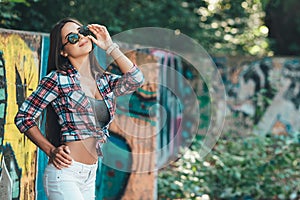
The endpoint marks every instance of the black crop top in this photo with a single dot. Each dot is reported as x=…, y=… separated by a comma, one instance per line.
x=101, y=111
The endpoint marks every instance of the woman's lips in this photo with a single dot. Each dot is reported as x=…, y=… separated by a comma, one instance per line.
x=83, y=43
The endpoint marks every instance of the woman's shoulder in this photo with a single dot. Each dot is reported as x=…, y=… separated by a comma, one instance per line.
x=51, y=75
x=56, y=76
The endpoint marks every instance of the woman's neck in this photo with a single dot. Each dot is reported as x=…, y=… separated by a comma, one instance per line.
x=82, y=65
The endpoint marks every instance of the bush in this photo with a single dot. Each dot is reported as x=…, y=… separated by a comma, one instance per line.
x=255, y=167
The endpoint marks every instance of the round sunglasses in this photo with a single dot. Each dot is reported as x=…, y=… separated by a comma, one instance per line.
x=73, y=38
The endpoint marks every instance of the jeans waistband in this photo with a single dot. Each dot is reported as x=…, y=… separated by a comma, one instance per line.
x=84, y=167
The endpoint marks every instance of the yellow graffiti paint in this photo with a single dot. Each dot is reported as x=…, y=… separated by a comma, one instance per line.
x=18, y=55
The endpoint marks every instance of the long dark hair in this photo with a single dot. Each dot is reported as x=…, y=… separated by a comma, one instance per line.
x=58, y=62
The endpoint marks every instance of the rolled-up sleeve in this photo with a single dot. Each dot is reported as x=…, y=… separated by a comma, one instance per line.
x=128, y=82
x=32, y=107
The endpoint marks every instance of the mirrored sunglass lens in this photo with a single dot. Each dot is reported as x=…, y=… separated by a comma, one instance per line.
x=73, y=38
x=84, y=30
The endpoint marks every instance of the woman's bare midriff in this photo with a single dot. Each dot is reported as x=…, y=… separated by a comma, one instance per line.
x=84, y=151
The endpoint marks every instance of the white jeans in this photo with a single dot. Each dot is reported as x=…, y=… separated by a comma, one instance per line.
x=76, y=182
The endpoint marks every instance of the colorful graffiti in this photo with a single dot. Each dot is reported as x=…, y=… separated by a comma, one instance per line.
x=23, y=58
x=20, y=77
x=268, y=92
x=112, y=184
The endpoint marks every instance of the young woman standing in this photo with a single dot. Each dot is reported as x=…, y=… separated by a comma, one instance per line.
x=80, y=96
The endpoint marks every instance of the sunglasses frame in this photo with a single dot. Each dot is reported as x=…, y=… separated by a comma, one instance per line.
x=83, y=30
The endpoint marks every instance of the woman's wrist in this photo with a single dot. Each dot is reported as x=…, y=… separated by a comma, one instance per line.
x=116, y=54
x=111, y=48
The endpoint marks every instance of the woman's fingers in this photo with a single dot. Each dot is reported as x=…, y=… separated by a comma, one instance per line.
x=66, y=149
x=60, y=157
x=103, y=39
x=97, y=27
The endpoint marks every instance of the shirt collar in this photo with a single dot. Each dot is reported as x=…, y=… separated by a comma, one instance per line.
x=72, y=70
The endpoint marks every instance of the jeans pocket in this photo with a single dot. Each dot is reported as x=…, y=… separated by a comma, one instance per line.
x=51, y=177
x=67, y=174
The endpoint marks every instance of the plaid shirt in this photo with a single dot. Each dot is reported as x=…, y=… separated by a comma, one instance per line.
x=76, y=117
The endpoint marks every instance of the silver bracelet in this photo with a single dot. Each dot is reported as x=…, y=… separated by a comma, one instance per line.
x=112, y=47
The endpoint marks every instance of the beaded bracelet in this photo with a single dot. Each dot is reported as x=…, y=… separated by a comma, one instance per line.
x=112, y=47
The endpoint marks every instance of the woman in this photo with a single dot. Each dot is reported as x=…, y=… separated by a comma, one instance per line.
x=82, y=97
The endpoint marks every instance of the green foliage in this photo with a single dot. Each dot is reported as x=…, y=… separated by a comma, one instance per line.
x=254, y=167
x=221, y=27
x=8, y=16
x=234, y=27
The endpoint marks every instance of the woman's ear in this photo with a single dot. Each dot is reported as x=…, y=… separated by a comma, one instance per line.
x=62, y=53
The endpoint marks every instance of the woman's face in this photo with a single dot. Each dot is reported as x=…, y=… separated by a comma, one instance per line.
x=82, y=47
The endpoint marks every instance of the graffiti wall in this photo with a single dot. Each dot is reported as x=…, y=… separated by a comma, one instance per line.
x=20, y=64
x=264, y=94
x=23, y=58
